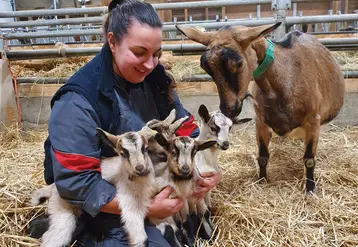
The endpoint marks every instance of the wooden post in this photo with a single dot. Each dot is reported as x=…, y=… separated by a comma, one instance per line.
x=206, y=13
x=335, y=6
x=223, y=12
x=9, y=112
x=186, y=15
x=170, y=15
x=161, y=13
x=104, y=2
x=346, y=7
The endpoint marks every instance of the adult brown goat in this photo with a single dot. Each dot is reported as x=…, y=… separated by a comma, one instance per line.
x=298, y=83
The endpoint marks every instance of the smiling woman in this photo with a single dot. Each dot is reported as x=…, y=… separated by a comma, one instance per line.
x=118, y=91
x=135, y=51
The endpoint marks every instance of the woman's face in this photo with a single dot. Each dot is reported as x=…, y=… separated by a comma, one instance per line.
x=137, y=54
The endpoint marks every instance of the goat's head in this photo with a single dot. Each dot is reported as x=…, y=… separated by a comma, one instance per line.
x=230, y=60
x=167, y=128
x=215, y=126
x=133, y=148
x=181, y=152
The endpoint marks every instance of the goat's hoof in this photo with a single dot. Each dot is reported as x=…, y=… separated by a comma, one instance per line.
x=39, y=226
x=206, y=228
x=262, y=180
x=310, y=186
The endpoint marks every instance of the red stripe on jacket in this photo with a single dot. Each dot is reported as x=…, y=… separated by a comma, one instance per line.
x=77, y=162
x=187, y=127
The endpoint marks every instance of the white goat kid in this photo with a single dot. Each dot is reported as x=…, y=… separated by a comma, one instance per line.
x=213, y=126
x=131, y=172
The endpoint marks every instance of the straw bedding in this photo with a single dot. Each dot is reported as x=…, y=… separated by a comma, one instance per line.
x=247, y=213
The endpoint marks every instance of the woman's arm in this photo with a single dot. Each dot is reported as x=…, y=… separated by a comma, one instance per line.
x=76, y=154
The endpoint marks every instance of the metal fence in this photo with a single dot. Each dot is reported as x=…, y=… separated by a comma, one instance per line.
x=48, y=31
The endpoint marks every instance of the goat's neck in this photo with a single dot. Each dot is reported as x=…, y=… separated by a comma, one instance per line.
x=207, y=159
x=263, y=82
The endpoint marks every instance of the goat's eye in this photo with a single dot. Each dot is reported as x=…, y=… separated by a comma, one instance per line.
x=144, y=149
x=125, y=153
x=215, y=129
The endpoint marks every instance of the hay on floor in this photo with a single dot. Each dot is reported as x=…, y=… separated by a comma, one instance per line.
x=247, y=213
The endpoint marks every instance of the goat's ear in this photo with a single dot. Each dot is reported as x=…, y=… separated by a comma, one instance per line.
x=170, y=119
x=195, y=34
x=107, y=138
x=251, y=34
x=162, y=141
x=241, y=121
x=202, y=145
x=147, y=132
x=176, y=125
x=204, y=113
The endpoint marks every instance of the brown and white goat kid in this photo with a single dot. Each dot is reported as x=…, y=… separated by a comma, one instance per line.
x=179, y=175
x=303, y=87
x=131, y=172
x=159, y=156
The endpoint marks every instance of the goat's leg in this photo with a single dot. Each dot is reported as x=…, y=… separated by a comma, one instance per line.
x=205, y=225
x=62, y=227
x=312, y=127
x=263, y=139
x=170, y=232
x=133, y=221
x=188, y=225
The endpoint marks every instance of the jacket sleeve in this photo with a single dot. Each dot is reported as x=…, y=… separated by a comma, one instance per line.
x=189, y=127
x=76, y=154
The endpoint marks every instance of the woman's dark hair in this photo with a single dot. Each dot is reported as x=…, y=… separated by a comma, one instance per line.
x=121, y=13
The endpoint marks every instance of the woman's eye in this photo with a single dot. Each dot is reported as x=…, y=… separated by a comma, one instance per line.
x=138, y=54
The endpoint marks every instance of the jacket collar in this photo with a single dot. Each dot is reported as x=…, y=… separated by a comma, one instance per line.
x=106, y=73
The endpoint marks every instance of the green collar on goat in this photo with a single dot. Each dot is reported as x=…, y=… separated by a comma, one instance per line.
x=269, y=57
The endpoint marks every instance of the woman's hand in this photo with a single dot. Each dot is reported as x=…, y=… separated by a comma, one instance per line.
x=163, y=207
x=205, y=183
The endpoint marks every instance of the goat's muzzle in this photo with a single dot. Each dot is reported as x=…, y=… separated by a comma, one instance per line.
x=141, y=170
x=231, y=111
x=224, y=146
x=185, y=170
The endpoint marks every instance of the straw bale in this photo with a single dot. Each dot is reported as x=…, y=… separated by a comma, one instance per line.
x=246, y=212
x=59, y=67
x=348, y=59
x=180, y=65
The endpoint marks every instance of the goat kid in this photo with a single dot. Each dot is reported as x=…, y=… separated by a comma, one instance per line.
x=159, y=157
x=298, y=82
x=131, y=172
x=179, y=175
x=213, y=126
